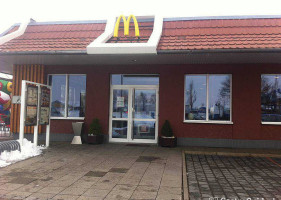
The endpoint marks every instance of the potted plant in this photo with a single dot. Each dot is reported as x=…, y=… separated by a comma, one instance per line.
x=95, y=135
x=167, y=138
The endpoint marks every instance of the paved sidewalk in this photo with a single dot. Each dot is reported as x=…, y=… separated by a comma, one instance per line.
x=228, y=177
x=108, y=171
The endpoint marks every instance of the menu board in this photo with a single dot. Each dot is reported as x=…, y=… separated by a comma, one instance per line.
x=32, y=95
x=31, y=105
x=44, y=106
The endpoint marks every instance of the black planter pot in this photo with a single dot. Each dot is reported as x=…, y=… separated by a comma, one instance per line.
x=95, y=139
x=167, y=141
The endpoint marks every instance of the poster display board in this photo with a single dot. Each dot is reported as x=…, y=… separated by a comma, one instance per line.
x=44, y=106
x=120, y=102
x=143, y=128
x=31, y=105
x=35, y=109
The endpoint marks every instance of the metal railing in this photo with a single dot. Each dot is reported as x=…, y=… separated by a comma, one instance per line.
x=11, y=145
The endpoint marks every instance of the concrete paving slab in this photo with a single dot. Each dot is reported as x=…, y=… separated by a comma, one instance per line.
x=145, y=192
x=65, y=197
x=51, y=190
x=22, y=180
x=108, y=171
x=40, y=196
x=95, y=192
x=16, y=195
x=121, y=192
x=75, y=191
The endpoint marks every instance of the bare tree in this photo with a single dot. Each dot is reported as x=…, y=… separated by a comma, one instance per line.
x=192, y=95
x=224, y=92
x=143, y=100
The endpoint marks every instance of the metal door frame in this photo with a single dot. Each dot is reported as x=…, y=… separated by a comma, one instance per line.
x=129, y=120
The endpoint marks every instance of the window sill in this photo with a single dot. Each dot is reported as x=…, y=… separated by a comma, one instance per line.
x=206, y=122
x=271, y=123
x=68, y=118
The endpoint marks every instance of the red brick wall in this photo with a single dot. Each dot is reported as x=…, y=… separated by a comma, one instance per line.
x=245, y=98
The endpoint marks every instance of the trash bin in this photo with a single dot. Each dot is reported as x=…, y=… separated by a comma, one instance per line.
x=77, y=129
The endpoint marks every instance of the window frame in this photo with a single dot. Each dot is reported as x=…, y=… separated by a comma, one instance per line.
x=268, y=123
x=207, y=121
x=146, y=75
x=66, y=96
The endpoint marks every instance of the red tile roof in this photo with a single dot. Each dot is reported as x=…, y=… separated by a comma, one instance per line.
x=177, y=35
x=221, y=34
x=57, y=37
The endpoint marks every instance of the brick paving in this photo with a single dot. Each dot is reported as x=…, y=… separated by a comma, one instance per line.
x=228, y=177
x=108, y=171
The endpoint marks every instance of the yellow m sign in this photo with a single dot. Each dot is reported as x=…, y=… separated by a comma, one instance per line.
x=126, y=23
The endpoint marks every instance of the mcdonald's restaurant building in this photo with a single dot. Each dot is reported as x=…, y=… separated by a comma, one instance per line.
x=216, y=80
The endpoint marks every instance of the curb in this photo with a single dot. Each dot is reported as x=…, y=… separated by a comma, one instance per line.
x=233, y=154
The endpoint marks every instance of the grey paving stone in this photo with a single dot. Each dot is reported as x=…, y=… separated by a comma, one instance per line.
x=232, y=177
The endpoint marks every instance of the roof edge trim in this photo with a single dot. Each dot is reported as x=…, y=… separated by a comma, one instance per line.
x=99, y=45
x=67, y=52
x=269, y=50
x=7, y=30
x=167, y=19
x=17, y=33
x=83, y=52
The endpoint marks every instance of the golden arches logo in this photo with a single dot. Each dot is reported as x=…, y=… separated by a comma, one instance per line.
x=126, y=23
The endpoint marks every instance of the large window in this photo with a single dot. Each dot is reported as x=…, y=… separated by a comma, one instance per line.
x=207, y=98
x=271, y=98
x=68, y=95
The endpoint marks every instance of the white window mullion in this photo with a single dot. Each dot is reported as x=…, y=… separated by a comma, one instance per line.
x=207, y=96
x=66, y=97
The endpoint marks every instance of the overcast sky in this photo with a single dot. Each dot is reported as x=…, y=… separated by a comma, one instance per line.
x=14, y=11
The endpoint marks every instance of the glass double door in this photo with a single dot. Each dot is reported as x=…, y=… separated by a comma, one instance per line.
x=134, y=114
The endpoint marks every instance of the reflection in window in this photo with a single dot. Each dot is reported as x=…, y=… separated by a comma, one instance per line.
x=218, y=100
x=58, y=95
x=119, y=129
x=145, y=104
x=144, y=130
x=120, y=79
x=219, y=97
x=271, y=98
x=76, y=93
x=195, y=97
